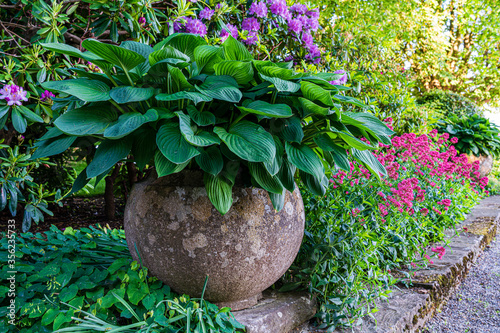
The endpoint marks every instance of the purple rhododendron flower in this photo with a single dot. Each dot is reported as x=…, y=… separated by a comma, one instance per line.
x=258, y=9
x=195, y=26
x=279, y=7
x=307, y=39
x=13, y=94
x=142, y=20
x=314, y=13
x=250, y=24
x=233, y=30
x=314, y=54
x=299, y=8
x=342, y=80
x=206, y=13
x=46, y=95
x=313, y=24
x=251, y=38
x=178, y=25
x=295, y=25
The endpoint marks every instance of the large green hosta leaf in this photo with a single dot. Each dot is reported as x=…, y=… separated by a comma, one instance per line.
x=223, y=88
x=85, y=121
x=210, y=160
x=280, y=84
x=119, y=56
x=173, y=145
x=195, y=97
x=129, y=122
x=171, y=54
x=186, y=43
x=198, y=138
x=366, y=158
x=234, y=50
x=206, y=56
x=314, y=184
x=128, y=94
x=164, y=167
x=143, y=146
x=86, y=90
x=370, y=124
x=338, y=153
x=267, y=109
x=264, y=179
x=204, y=118
x=288, y=129
x=305, y=159
x=108, y=154
x=314, y=92
x=248, y=141
x=219, y=191
x=143, y=49
x=241, y=71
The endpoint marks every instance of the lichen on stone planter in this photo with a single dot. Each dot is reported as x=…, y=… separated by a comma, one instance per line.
x=182, y=238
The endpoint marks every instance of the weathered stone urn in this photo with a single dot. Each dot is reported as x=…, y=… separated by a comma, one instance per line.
x=485, y=163
x=182, y=238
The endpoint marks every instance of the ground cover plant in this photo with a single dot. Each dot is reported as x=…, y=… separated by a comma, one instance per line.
x=87, y=277
x=363, y=230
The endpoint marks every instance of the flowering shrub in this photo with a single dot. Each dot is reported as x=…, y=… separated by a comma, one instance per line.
x=363, y=229
x=273, y=29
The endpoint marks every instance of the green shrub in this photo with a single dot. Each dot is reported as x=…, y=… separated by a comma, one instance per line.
x=17, y=188
x=472, y=135
x=448, y=103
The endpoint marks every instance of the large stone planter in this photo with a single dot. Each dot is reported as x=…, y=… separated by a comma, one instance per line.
x=182, y=238
x=485, y=163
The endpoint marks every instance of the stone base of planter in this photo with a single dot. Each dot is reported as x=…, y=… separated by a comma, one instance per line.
x=277, y=312
x=408, y=309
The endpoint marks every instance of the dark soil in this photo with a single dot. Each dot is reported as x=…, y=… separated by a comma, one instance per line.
x=76, y=213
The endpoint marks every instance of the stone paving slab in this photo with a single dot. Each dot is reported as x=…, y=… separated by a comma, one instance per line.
x=407, y=310
x=277, y=312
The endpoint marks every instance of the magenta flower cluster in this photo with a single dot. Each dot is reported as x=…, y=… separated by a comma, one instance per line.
x=47, y=95
x=13, y=94
x=423, y=174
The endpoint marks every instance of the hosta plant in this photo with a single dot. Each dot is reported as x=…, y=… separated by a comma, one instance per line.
x=185, y=104
x=473, y=135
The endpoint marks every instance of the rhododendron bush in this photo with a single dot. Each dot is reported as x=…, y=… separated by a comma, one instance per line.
x=363, y=229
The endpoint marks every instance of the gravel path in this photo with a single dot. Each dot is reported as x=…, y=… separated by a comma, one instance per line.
x=475, y=307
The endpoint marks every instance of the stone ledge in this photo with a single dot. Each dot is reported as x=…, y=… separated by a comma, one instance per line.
x=277, y=312
x=407, y=310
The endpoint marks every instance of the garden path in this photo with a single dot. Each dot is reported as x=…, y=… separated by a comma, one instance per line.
x=475, y=306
